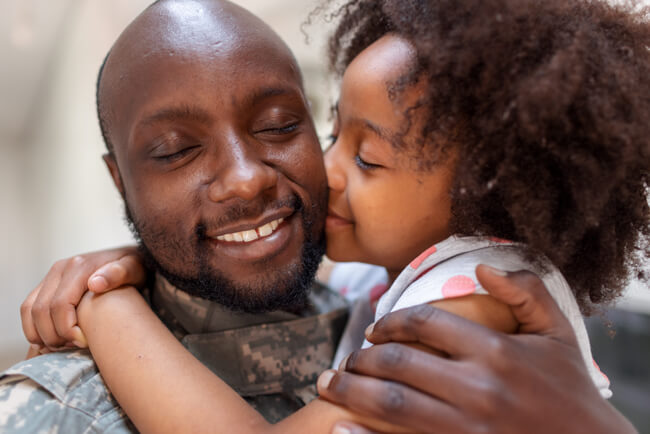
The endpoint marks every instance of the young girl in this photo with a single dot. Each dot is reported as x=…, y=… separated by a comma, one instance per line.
x=512, y=133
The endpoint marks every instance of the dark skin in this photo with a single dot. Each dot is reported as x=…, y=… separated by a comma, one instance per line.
x=204, y=123
x=261, y=170
x=531, y=382
x=238, y=135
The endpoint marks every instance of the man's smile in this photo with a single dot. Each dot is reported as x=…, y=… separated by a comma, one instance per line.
x=247, y=236
x=256, y=241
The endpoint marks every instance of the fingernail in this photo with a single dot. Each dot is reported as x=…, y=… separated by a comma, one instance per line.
x=325, y=379
x=341, y=429
x=370, y=329
x=344, y=363
x=98, y=283
x=36, y=347
x=496, y=271
x=79, y=338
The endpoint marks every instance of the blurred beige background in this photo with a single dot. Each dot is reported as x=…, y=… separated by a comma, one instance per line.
x=56, y=198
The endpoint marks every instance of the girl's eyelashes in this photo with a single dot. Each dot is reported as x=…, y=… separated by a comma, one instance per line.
x=364, y=165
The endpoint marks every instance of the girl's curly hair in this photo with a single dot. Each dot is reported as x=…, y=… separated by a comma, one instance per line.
x=548, y=104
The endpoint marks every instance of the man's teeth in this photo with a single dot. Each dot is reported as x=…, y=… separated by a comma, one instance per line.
x=253, y=234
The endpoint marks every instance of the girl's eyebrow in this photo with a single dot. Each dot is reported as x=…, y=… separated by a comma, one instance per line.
x=382, y=133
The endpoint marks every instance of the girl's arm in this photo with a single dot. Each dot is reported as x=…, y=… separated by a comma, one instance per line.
x=163, y=388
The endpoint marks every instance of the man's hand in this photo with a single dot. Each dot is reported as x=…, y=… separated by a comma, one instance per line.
x=533, y=382
x=48, y=315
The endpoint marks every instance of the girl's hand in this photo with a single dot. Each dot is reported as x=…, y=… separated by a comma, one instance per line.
x=48, y=315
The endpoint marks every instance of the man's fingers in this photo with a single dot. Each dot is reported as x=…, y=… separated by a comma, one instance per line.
x=433, y=328
x=405, y=364
x=127, y=270
x=531, y=303
x=388, y=401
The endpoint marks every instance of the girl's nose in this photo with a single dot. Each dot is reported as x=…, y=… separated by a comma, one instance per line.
x=334, y=168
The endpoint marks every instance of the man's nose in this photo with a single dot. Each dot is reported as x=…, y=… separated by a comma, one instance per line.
x=334, y=168
x=243, y=175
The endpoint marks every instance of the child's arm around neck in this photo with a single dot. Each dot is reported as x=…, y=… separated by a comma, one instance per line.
x=163, y=388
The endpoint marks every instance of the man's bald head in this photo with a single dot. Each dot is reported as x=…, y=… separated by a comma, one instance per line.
x=205, y=29
x=209, y=132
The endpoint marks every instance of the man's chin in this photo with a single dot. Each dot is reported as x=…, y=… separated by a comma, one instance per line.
x=277, y=288
x=277, y=282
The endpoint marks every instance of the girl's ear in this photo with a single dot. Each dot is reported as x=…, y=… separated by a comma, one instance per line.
x=109, y=159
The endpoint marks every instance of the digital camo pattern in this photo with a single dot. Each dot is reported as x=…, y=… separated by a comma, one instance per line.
x=273, y=365
x=59, y=393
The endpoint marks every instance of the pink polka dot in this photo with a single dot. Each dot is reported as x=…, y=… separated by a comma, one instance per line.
x=424, y=255
x=344, y=291
x=458, y=286
x=598, y=369
x=377, y=291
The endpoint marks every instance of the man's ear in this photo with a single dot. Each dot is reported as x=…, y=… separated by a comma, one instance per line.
x=109, y=159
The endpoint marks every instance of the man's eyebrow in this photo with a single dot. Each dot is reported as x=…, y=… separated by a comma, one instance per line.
x=183, y=113
x=263, y=93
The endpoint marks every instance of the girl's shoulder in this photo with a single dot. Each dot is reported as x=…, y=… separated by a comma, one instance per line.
x=453, y=272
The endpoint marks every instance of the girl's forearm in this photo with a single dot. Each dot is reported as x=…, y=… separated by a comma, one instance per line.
x=164, y=389
x=160, y=385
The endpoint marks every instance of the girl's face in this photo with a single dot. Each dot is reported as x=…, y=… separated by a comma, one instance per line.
x=382, y=210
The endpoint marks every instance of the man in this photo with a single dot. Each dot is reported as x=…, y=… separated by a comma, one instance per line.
x=210, y=139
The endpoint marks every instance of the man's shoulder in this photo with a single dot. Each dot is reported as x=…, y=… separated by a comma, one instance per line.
x=58, y=392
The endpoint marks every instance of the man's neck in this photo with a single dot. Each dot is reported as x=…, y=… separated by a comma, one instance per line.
x=196, y=315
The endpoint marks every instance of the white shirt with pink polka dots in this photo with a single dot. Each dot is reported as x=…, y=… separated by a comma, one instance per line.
x=447, y=270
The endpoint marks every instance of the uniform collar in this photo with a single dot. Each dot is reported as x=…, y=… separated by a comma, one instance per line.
x=197, y=315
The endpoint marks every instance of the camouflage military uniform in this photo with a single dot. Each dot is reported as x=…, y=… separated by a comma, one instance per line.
x=272, y=360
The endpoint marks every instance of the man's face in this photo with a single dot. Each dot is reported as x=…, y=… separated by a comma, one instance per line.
x=219, y=164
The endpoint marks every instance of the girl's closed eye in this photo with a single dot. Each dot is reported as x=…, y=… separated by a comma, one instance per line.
x=365, y=165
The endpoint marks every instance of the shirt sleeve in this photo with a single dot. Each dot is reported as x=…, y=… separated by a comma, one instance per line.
x=354, y=279
x=59, y=392
x=453, y=278
x=456, y=277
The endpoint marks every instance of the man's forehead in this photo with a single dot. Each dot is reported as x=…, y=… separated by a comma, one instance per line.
x=197, y=27
x=180, y=45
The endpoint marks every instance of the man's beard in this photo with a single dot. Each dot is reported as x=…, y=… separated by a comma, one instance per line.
x=286, y=290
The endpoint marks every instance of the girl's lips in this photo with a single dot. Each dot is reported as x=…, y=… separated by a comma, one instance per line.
x=334, y=221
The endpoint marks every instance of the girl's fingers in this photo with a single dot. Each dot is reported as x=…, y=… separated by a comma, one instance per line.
x=72, y=286
x=42, y=305
x=27, y=321
x=125, y=271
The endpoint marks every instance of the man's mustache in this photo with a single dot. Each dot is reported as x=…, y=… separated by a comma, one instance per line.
x=246, y=210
